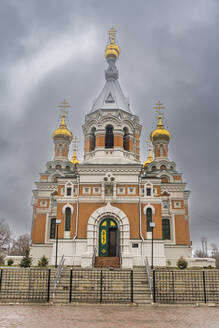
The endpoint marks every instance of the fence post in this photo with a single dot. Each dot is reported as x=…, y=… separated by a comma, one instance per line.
x=173, y=284
x=132, y=298
x=48, y=287
x=154, y=286
x=1, y=274
x=205, y=298
x=70, y=287
x=101, y=286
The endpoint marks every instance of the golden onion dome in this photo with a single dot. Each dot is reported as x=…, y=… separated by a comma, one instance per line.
x=112, y=50
x=149, y=159
x=62, y=130
x=74, y=159
x=160, y=132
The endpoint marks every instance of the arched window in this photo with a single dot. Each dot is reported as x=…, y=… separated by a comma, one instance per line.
x=166, y=228
x=67, y=219
x=163, y=167
x=93, y=139
x=126, y=139
x=109, y=139
x=149, y=219
x=53, y=228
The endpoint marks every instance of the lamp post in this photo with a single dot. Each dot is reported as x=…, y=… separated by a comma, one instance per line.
x=57, y=237
x=152, y=225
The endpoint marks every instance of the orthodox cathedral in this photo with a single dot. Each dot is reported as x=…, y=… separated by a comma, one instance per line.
x=100, y=210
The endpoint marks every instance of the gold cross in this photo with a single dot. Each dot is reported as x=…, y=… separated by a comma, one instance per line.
x=63, y=105
x=112, y=34
x=158, y=107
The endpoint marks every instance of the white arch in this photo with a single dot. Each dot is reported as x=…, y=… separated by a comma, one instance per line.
x=93, y=224
x=149, y=206
x=68, y=205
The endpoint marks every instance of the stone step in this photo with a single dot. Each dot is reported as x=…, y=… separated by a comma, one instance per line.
x=104, y=262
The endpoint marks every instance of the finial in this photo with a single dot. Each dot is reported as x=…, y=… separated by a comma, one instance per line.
x=63, y=105
x=63, y=130
x=158, y=108
x=74, y=159
x=112, y=34
x=112, y=50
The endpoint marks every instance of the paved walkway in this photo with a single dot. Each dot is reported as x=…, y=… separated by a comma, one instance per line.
x=108, y=316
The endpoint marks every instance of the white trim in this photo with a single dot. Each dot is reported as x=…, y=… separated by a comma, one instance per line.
x=123, y=225
x=149, y=206
x=68, y=205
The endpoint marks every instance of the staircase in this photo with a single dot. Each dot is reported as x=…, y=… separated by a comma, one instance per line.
x=107, y=262
x=141, y=289
x=62, y=288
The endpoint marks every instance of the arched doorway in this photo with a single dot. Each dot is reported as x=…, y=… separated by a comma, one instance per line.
x=108, y=238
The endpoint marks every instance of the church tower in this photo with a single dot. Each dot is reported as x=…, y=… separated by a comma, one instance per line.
x=111, y=131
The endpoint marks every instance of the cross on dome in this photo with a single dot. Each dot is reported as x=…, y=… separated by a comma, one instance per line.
x=63, y=105
x=158, y=108
x=112, y=34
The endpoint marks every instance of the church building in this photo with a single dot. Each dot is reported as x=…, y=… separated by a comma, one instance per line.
x=100, y=210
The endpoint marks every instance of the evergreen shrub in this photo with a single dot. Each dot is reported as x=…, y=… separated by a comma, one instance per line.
x=182, y=263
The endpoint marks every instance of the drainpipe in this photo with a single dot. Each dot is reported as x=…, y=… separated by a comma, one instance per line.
x=139, y=205
x=77, y=209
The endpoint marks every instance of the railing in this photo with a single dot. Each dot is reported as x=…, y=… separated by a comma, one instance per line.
x=186, y=287
x=104, y=286
x=148, y=270
x=26, y=285
x=57, y=274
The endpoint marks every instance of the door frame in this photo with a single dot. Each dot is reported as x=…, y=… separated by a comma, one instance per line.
x=108, y=218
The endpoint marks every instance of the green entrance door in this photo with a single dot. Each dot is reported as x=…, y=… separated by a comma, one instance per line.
x=108, y=238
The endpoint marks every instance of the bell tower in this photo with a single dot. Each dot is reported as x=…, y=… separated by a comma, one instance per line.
x=160, y=137
x=62, y=136
x=111, y=131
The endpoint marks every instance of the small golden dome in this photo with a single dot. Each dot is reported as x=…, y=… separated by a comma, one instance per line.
x=160, y=132
x=112, y=50
x=149, y=159
x=62, y=130
x=74, y=159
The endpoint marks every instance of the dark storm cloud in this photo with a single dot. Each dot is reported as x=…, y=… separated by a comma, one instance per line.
x=54, y=50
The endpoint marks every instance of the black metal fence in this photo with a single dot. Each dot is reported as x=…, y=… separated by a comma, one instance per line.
x=185, y=286
x=102, y=286
x=26, y=285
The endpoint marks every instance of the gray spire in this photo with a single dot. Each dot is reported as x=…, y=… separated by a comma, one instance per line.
x=111, y=97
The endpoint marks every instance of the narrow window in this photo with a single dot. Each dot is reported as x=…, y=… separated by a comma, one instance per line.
x=67, y=219
x=149, y=219
x=93, y=139
x=53, y=228
x=166, y=228
x=109, y=139
x=68, y=191
x=125, y=139
x=148, y=191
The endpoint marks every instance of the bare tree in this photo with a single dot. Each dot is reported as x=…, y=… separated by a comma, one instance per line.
x=199, y=253
x=5, y=235
x=20, y=245
x=5, y=239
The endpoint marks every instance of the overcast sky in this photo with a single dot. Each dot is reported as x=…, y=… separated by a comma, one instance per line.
x=51, y=50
